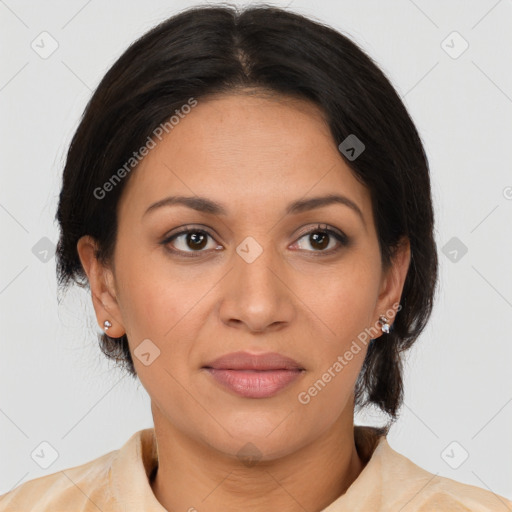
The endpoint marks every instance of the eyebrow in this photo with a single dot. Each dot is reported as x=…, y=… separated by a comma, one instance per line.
x=202, y=204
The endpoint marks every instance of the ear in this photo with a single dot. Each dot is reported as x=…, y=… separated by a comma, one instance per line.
x=101, y=283
x=393, y=282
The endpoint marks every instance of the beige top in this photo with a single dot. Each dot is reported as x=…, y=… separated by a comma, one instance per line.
x=119, y=481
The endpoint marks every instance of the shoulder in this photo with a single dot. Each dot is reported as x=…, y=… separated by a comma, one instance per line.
x=84, y=487
x=419, y=490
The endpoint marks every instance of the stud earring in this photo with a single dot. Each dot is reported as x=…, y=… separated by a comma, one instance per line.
x=384, y=322
x=106, y=325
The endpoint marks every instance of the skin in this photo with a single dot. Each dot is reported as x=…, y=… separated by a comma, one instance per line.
x=254, y=155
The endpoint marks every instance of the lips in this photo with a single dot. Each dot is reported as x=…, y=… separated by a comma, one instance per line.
x=247, y=361
x=254, y=375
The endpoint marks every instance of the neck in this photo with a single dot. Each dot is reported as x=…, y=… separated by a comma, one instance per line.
x=195, y=476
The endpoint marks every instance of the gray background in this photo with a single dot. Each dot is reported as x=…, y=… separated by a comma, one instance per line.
x=55, y=386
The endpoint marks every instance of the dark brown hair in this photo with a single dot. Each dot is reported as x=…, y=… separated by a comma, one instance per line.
x=214, y=50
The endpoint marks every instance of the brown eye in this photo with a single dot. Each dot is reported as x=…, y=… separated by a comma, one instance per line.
x=196, y=240
x=319, y=240
x=322, y=240
x=190, y=241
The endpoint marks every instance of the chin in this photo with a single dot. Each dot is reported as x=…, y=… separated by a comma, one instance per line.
x=252, y=436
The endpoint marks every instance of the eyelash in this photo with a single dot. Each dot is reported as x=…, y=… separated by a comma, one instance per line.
x=321, y=228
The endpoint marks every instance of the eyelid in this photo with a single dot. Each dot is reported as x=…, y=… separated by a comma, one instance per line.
x=323, y=227
x=188, y=228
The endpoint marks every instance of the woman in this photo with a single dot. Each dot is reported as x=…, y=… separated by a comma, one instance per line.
x=249, y=202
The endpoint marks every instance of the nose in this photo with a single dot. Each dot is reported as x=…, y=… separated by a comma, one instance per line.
x=256, y=296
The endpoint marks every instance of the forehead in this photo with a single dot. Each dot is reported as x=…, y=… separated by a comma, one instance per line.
x=245, y=149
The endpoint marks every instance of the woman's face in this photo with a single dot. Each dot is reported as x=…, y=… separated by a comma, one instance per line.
x=256, y=274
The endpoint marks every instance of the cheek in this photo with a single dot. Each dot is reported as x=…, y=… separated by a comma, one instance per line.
x=342, y=300
x=343, y=312
x=154, y=296
x=165, y=305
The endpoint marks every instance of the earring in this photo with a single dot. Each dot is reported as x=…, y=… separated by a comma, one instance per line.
x=106, y=325
x=384, y=322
